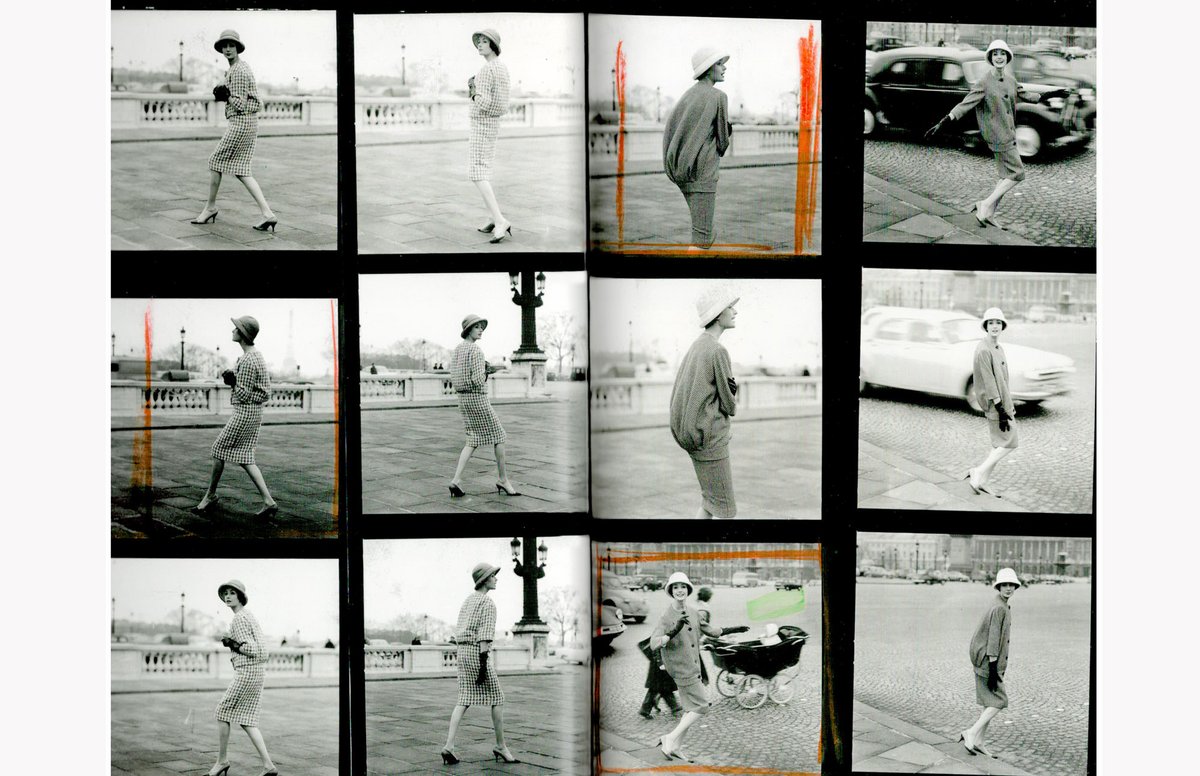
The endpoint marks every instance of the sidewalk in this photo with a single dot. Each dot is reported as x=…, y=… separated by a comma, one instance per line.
x=887, y=480
x=891, y=213
x=546, y=724
x=622, y=755
x=886, y=744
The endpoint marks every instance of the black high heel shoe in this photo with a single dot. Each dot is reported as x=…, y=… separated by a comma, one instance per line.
x=978, y=211
x=448, y=757
x=211, y=217
x=208, y=508
x=268, y=511
x=267, y=225
x=456, y=492
x=502, y=236
x=502, y=488
x=502, y=756
x=486, y=229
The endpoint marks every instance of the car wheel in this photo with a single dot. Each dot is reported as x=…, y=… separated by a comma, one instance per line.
x=972, y=399
x=1029, y=141
x=869, y=123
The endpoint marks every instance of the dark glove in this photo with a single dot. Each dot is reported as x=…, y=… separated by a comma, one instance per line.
x=936, y=128
x=228, y=642
x=683, y=621
x=993, y=676
x=482, y=668
x=229, y=377
x=221, y=93
x=1004, y=417
x=732, y=386
x=735, y=629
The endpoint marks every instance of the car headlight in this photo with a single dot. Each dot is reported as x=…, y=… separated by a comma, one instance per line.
x=620, y=614
x=1056, y=102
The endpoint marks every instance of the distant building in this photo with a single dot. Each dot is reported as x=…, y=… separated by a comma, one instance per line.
x=708, y=565
x=973, y=292
x=1070, y=556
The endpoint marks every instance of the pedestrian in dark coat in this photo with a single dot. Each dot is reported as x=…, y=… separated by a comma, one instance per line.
x=994, y=99
x=658, y=683
x=990, y=375
x=989, y=660
x=695, y=137
x=235, y=151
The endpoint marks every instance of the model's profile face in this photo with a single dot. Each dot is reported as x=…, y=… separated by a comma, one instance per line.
x=998, y=58
x=229, y=49
x=237, y=336
x=718, y=72
x=491, y=582
x=230, y=597
x=482, y=45
x=679, y=591
x=476, y=331
x=994, y=327
x=1007, y=589
x=728, y=317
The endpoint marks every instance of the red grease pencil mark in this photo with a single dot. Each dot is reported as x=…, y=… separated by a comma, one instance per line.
x=620, y=76
x=628, y=556
x=808, y=139
x=337, y=426
x=141, y=478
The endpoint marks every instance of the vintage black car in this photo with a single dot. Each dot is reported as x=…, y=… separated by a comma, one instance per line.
x=912, y=88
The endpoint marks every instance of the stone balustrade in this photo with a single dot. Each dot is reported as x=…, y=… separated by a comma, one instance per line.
x=651, y=394
x=416, y=659
x=170, y=661
x=158, y=109
x=643, y=142
x=131, y=397
x=423, y=386
x=373, y=114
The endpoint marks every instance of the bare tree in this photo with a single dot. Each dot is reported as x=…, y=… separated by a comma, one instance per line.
x=562, y=609
x=557, y=333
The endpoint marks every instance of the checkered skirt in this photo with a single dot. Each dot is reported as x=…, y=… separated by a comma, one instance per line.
x=237, y=440
x=470, y=694
x=242, y=701
x=481, y=147
x=235, y=151
x=480, y=421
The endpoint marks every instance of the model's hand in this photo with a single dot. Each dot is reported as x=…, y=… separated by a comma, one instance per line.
x=936, y=128
x=735, y=629
x=683, y=621
x=221, y=93
x=1004, y=417
x=483, y=661
x=228, y=642
x=732, y=386
x=229, y=377
x=993, y=676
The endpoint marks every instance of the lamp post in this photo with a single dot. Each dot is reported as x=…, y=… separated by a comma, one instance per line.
x=917, y=566
x=614, y=90
x=114, y=345
x=529, y=358
x=112, y=65
x=182, y=597
x=530, y=566
x=631, y=343
x=403, y=67
x=426, y=637
x=114, y=616
x=658, y=104
x=608, y=557
x=180, y=60
x=218, y=360
x=182, y=338
x=945, y=560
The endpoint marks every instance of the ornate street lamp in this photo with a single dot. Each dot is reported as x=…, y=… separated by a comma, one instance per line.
x=182, y=336
x=180, y=60
x=529, y=356
x=182, y=596
x=404, y=81
x=530, y=628
x=114, y=345
x=917, y=561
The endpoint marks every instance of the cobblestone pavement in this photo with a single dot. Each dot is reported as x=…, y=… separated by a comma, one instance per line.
x=1054, y=205
x=776, y=471
x=779, y=737
x=910, y=660
x=160, y=733
x=892, y=213
x=158, y=186
x=415, y=197
x=1051, y=470
x=409, y=455
x=547, y=720
x=296, y=459
x=755, y=206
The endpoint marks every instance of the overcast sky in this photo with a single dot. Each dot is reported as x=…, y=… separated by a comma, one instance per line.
x=433, y=576
x=543, y=52
x=432, y=307
x=286, y=595
x=208, y=325
x=764, y=57
x=280, y=45
x=778, y=322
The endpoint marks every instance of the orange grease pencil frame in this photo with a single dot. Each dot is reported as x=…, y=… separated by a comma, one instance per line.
x=623, y=557
x=808, y=144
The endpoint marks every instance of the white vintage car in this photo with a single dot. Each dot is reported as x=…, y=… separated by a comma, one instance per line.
x=932, y=351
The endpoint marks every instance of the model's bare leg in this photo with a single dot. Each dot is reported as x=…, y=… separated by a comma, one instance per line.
x=1003, y=186
x=489, y=199
x=257, y=478
x=498, y=724
x=463, y=457
x=260, y=746
x=256, y=192
x=210, y=207
x=214, y=479
x=223, y=752
x=982, y=473
x=455, y=718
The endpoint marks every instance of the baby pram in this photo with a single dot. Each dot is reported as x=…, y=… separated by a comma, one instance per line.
x=752, y=671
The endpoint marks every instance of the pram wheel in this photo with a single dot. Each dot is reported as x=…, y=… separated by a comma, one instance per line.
x=753, y=692
x=728, y=684
x=781, y=690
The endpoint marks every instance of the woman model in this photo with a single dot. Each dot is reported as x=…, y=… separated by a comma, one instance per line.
x=992, y=393
x=243, y=699
x=251, y=386
x=702, y=401
x=695, y=138
x=477, y=683
x=994, y=98
x=235, y=151
x=488, y=91
x=678, y=636
x=468, y=374
x=989, y=657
